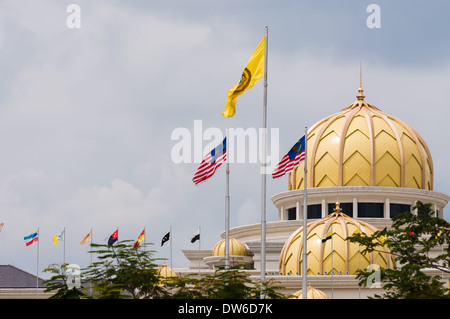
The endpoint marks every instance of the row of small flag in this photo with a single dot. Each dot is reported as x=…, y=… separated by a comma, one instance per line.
x=34, y=237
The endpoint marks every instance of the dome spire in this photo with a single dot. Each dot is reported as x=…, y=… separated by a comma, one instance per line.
x=360, y=95
x=337, y=209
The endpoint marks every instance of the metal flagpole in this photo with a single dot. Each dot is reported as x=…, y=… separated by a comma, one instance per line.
x=92, y=239
x=359, y=260
x=305, y=223
x=64, y=249
x=264, y=163
x=199, y=240
x=37, y=265
x=332, y=270
x=170, y=238
x=227, y=210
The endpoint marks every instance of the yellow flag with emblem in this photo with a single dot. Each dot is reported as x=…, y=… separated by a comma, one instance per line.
x=253, y=72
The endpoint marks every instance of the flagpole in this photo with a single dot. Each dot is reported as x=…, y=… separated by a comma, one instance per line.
x=227, y=211
x=37, y=266
x=170, y=238
x=264, y=163
x=359, y=259
x=305, y=223
x=64, y=249
x=199, y=240
x=92, y=240
x=332, y=270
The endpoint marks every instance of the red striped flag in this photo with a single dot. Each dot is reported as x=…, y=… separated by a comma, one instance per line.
x=295, y=155
x=211, y=162
x=31, y=239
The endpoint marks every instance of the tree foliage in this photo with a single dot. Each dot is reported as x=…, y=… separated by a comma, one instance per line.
x=226, y=283
x=123, y=272
x=59, y=283
x=411, y=239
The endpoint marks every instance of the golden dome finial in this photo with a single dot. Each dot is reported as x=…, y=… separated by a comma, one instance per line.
x=360, y=95
x=338, y=208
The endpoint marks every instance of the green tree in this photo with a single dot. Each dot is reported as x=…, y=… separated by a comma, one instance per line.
x=411, y=239
x=225, y=283
x=123, y=272
x=61, y=283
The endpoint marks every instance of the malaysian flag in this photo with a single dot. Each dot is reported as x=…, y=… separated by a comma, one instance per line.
x=211, y=162
x=295, y=155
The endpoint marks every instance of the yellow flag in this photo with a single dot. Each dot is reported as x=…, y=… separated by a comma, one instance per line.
x=55, y=240
x=253, y=72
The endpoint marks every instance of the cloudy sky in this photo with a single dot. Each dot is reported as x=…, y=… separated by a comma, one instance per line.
x=87, y=114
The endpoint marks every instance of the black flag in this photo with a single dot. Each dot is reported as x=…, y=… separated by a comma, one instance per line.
x=165, y=238
x=196, y=236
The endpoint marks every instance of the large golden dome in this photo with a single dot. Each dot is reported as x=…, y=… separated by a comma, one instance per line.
x=362, y=146
x=342, y=255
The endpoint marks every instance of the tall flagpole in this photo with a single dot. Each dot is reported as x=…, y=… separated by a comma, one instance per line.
x=332, y=270
x=92, y=240
x=199, y=241
x=64, y=249
x=227, y=210
x=305, y=223
x=144, y=239
x=359, y=260
x=264, y=163
x=37, y=265
x=170, y=238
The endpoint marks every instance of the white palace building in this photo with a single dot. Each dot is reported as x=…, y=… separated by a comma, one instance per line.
x=375, y=165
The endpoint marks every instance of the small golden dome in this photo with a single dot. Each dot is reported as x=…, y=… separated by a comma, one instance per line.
x=362, y=146
x=236, y=248
x=166, y=273
x=343, y=256
x=311, y=293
